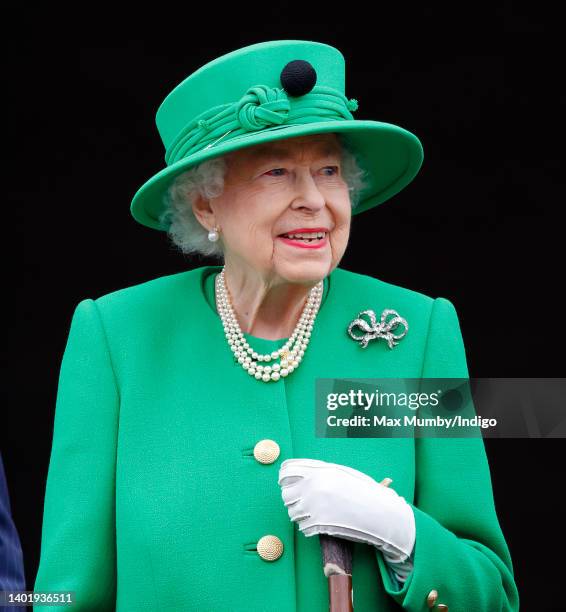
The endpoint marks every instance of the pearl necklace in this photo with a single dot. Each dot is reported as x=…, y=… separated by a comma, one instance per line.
x=249, y=359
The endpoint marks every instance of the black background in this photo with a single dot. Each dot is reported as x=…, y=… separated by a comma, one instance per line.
x=482, y=224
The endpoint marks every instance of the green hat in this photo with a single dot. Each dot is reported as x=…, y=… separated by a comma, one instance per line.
x=266, y=92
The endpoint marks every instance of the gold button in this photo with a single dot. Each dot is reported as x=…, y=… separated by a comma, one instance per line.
x=431, y=598
x=266, y=451
x=442, y=607
x=269, y=547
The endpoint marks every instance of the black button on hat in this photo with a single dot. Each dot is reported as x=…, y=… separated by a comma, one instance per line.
x=298, y=77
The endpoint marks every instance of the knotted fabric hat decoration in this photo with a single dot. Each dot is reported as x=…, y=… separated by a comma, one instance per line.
x=266, y=92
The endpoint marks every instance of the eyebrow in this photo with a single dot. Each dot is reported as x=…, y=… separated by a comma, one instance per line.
x=261, y=154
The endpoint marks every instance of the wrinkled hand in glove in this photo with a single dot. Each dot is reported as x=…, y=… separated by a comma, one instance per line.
x=338, y=500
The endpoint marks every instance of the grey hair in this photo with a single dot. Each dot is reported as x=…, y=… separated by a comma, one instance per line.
x=207, y=179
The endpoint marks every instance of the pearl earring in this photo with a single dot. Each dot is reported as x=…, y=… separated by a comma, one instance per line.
x=213, y=234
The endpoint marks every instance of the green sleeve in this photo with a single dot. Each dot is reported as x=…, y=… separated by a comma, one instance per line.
x=460, y=550
x=78, y=543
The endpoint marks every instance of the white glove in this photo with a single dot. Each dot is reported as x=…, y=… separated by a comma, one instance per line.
x=341, y=501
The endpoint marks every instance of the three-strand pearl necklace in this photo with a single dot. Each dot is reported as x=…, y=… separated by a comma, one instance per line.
x=290, y=354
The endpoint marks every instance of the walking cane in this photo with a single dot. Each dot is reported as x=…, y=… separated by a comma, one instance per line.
x=337, y=567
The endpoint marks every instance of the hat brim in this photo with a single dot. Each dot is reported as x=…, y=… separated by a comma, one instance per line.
x=391, y=155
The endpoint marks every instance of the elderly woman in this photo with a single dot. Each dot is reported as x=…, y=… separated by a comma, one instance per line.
x=185, y=471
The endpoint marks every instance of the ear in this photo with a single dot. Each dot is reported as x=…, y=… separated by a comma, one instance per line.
x=203, y=212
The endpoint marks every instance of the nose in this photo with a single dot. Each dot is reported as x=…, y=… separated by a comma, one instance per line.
x=308, y=194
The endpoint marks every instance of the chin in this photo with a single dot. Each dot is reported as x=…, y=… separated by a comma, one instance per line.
x=304, y=272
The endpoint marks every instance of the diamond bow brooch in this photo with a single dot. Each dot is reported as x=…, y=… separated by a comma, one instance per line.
x=390, y=320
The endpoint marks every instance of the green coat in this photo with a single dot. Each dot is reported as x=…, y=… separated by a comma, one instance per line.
x=154, y=500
